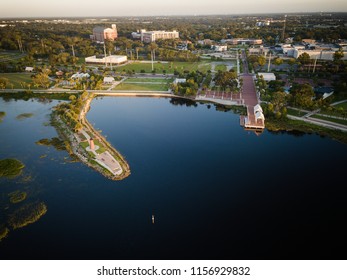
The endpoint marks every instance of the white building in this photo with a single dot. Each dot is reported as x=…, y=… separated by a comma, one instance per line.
x=219, y=48
x=80, y=75
x=178, y=81
x=114, y=59
x=318, y=54
x=258, y=112
x=152, y=36
x=29, y=69
x=108, y=80
x=268, y=76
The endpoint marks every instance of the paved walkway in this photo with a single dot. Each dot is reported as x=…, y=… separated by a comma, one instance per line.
x=320, y=122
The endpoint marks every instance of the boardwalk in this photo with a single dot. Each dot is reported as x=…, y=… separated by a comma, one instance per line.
x=246, y=97
x=226, y=98
x=249, y=95
x=253, y=120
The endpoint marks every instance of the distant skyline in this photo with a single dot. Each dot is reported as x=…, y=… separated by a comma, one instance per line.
x=107, y=8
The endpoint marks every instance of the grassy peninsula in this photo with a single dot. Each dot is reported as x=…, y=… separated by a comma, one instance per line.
x=77, y=134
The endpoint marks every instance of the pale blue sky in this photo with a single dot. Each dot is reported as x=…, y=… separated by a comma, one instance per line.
x=90, y=8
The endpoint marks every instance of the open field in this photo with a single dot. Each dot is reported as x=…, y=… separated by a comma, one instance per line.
x=147, y=87
x=220, y=67
x=342, y=105
x=335, y=120
x=148, y=80
x=296, y=112
x=7, y=56
x=16, y=79
x=169, y=67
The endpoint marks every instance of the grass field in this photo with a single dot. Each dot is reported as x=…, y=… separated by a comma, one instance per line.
x=16, y=79
x=6, y=56
x=295, y=112
x=169, y=67
x=342, y=105
x=146, y=87
x=339, y=121
x=221, y=67
x=148, y=80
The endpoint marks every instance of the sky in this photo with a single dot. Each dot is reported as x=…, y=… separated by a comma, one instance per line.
x=97, y=8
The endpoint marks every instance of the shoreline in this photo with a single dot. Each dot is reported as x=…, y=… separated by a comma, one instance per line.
x=123, y=163
x=72, y=142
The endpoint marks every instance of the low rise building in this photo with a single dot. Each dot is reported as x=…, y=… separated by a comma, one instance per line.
x=79, y=75
x=267, y=76
x=219, y=48
x=113, y=59
x=152, y=36
x=179, y=81
x=108, y=80
x=243, y=41
x=321, y=54
x=29, y=69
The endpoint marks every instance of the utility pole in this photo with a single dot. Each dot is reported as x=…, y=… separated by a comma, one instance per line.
x=268, y=66
x=314, y=66
x=110, y=60
x=105, y=54
x=284, y=27
x=152, y=59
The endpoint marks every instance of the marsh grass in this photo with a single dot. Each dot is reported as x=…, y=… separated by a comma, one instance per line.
x=10, y=167
x=27, y=214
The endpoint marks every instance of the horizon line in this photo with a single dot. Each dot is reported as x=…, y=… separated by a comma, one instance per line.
x=176, y=15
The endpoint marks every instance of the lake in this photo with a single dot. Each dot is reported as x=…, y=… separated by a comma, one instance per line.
x=216, y=190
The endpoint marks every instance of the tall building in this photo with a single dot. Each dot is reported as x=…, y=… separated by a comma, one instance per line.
x=100, y=34
x=152, y=36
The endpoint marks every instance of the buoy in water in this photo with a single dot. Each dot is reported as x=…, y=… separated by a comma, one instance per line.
x=152, y=219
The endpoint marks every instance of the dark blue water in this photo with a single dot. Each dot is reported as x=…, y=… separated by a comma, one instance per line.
x=216, y=190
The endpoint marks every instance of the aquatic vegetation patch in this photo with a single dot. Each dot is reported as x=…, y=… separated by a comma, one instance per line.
x=27, y=214
x=17, y=196
x=2, y=115
x=3, y=232
x=55, y=142
x=10, y=167
x=24, y=116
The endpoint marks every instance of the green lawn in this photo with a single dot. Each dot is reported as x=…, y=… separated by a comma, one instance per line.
x=101, y=147
x=204, y=67
x=220, y=67
x=295, y=112
x=149, y=87
x=16, y=79
x=169, y=67
x=6, y=56
x=344, y=122
x=84, y=144
x=148, y=80
x=342, y=105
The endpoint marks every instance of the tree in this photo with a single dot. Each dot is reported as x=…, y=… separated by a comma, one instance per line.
x=226, y=80
x=41, y=79
x=304, y=58
x=3, y=82
x=278, y=100
x=338, y=55
x=261, y=60
x=278, y=61
x=302, y=95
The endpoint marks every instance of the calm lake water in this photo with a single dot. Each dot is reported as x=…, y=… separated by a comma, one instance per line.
x=216, y=190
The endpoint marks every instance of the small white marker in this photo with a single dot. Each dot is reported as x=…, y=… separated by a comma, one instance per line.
x=152, y=219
